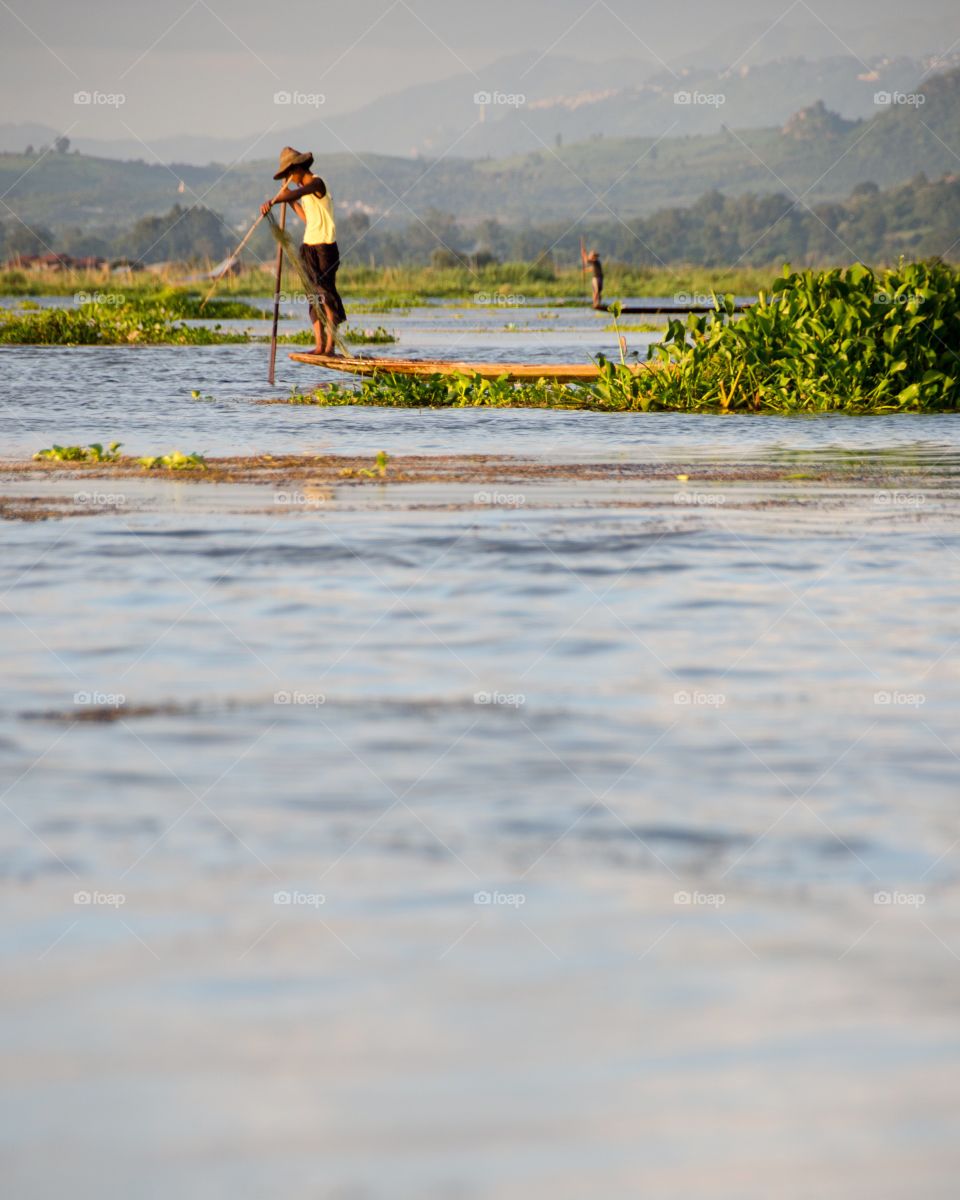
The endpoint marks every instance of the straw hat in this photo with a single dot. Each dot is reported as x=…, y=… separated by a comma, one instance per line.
x=290, y=158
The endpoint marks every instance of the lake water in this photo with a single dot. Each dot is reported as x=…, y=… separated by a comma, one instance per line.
x=598, y=842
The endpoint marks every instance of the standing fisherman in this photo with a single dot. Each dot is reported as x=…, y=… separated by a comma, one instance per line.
x=307, y=195
x=593, y=258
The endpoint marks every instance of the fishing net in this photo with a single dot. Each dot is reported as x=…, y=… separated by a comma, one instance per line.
x=292, y=254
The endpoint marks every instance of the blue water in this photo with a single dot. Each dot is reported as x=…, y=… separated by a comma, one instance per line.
x=597, y=842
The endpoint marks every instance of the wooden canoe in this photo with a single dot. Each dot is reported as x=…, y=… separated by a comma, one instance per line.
x=367, y=365
x=669, y=310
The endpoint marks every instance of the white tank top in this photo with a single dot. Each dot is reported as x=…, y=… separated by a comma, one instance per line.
x=320, y=225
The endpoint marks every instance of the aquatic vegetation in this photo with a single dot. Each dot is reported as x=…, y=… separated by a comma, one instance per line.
x=174, y=461
x=389, y=303
x=107, y=324
x=849, y=339
x=380, y=464
x=633, y=327
x=355, y=337
x=92, y=453
x=442, y=391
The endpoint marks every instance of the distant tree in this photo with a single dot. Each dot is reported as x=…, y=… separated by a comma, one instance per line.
x=182, y=234
x=61, y=144
x=21, y=240
x=29, y=152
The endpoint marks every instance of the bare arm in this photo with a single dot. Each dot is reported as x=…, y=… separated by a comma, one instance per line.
x=316, y=187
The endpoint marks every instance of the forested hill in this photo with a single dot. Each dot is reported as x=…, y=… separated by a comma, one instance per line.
x=816, y=156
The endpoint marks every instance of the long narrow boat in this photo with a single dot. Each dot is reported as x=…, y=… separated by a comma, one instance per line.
x=651, y=310
x=368, y=365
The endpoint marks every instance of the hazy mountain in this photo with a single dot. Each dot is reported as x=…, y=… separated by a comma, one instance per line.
x=819, y=157
x=563, y=99
x=764, y=41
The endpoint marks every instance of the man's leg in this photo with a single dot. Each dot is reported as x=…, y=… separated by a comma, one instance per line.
x=330, y=344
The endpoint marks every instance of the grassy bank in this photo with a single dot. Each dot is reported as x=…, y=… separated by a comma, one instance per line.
x=398, y=286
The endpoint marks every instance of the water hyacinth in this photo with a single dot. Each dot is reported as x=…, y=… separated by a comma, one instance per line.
x=850, y=339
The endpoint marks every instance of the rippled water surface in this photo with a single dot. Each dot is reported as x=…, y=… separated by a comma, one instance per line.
x=601, y=842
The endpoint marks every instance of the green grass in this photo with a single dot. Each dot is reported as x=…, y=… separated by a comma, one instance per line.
x=389, y=288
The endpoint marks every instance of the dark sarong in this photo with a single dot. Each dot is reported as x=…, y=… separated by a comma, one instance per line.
x=320, y=265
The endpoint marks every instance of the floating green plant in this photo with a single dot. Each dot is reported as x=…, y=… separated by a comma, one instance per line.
x=92, y=453
x=174, y=461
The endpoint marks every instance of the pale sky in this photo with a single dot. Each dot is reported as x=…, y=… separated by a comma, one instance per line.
x=213, y=66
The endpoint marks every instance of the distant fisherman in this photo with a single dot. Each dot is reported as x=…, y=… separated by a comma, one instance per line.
x=319, y=255
x=593, y=258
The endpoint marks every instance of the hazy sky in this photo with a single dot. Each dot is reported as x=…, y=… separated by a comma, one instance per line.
x=213, y=66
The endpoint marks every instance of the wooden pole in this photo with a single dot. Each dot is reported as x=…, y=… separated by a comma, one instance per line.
x=276, y=298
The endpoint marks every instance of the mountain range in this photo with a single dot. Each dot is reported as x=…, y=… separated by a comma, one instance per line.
x=816, y=155
x=533, y=102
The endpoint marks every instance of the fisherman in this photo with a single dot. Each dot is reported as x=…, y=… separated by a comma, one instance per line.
x=307, y=195
x=593, y=258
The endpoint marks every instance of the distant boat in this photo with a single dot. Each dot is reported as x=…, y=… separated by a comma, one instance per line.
x=229, y=266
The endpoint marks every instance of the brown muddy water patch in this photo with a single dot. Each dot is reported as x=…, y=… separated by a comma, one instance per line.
x=357, y=471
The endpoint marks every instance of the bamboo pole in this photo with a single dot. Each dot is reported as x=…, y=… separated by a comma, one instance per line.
x=276, y=299
x=246, y=238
